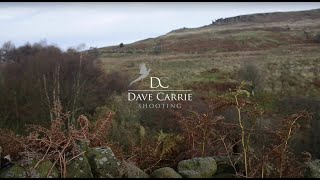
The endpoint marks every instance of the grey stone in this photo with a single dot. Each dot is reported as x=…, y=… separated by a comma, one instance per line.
x=197, y=167
x=103, y=163
x=133, y=171
x=165, y=172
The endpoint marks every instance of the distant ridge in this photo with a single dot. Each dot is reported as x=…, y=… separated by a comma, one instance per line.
x=238, y=33
x=291, y=16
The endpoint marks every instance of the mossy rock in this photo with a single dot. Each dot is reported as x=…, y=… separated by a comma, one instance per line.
x=165, y=172
x=42, y=169
x=133, y=171
x=103, y=163
x=197, y=167
x=13, y=172
x=79, y=168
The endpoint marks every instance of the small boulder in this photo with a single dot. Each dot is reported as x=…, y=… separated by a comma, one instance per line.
x=103, y=163
x=79, y=168
x=42, y=169
x=165, y=172
x=14, y=171
x=133, y=171
x=197, y=167
x=313, y=169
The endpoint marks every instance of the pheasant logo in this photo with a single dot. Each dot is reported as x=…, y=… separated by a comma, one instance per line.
x=144, y=72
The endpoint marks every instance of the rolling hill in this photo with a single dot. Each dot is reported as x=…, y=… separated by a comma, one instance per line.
x=246, y=32
x=281, y=45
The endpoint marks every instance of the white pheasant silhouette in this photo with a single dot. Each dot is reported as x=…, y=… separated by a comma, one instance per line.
x=144, y=73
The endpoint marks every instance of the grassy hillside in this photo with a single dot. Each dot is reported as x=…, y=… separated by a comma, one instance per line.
x=281, y=45
x=259, y=31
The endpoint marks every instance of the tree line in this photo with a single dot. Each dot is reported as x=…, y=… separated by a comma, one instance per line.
x=34, y=77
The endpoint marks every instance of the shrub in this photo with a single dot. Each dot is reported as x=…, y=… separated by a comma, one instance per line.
x=156, y=151
x=310, y=138
x=126, y=121
x=272, y=159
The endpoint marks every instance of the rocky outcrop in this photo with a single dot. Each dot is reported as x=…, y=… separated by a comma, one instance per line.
x=269, y=17
x=198, y=167
x=101, y=162
x=96, y=162
x=165, y=172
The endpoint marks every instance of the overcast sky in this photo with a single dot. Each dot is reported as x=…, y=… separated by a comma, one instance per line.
x=103, y=24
